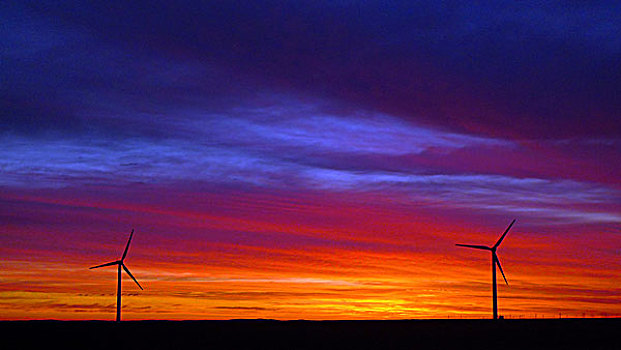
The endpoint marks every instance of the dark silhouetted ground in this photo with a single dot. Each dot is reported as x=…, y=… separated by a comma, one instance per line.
x=265, y=334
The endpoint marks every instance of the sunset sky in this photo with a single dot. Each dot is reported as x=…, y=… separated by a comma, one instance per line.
x=309, y=159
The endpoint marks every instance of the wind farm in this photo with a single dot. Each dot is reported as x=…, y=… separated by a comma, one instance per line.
x=568, y=333
x=297, y=174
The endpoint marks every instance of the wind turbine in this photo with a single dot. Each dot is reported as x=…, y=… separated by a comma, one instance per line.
x=495, y=261
x=120, y=265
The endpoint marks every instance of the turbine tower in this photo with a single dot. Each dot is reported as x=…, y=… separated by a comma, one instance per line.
x=120, y=263
x=495, y=262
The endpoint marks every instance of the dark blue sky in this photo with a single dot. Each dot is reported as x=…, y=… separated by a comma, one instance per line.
x=527, y=70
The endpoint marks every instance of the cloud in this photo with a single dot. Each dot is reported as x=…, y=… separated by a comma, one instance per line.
x=294, y=280
x=280, y=149
x=245, y=308
x=253, y=149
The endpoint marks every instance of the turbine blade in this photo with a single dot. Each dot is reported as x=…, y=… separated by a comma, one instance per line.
x=500, y=267
x=474, y=246
x=127, y=246
x=504, y=234
x=103, y=265
x=130, y=275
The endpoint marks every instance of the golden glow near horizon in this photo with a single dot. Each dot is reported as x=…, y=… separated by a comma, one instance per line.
x=317, y=284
